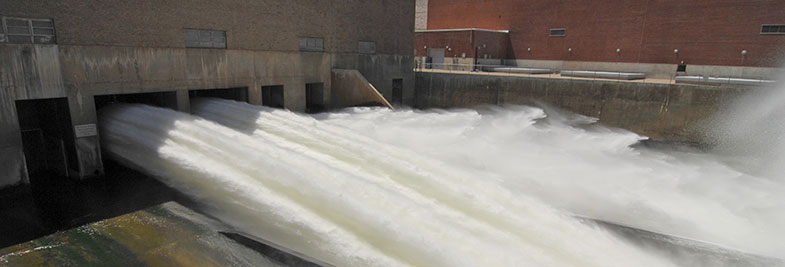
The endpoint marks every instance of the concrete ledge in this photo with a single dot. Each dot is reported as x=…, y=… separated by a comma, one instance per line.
x=523, y=70
x=721, y=80
x=604, y=74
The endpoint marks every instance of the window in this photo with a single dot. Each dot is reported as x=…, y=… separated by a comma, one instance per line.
x=311, y=44
x=558, y=32
x=366, y=47
x=27, y=31
x=772, y=29
x=205, y=39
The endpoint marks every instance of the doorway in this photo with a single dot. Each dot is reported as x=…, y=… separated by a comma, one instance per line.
x=314, y=97
x=397, y=92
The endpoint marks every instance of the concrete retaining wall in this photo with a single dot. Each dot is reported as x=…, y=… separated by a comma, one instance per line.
x=668, y=112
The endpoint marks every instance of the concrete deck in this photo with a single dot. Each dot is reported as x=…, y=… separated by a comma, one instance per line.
x=550, y=76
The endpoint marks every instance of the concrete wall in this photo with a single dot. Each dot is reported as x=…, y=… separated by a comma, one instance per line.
x=26, y=72
x=671, y=112
x=350, y=89
x=706, y=32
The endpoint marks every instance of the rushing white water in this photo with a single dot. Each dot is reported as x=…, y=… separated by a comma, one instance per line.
x=565, y=161
x=373, y=187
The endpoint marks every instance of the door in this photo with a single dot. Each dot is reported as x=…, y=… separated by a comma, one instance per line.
x=437, y=57
x=397, y=92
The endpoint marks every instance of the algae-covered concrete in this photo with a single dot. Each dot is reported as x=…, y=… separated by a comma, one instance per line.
x=165, y=235
x=666, y=112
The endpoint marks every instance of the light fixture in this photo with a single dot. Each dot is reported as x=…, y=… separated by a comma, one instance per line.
x=744, y=52
x=618, y=50
x=569, y=49
x=529, y=49
x=675, y=51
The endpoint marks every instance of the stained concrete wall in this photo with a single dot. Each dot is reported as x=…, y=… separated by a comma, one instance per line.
x=26, y=72
x=668, y=112
x=80, y=73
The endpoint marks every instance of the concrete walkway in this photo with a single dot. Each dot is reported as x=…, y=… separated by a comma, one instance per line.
x=548, y=76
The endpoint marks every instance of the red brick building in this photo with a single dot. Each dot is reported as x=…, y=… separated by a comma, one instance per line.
x=748, y=33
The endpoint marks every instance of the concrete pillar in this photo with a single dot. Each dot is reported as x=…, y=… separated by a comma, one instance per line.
x=255, y=94
x=87, y=141
x=183, y=101
x=13, y=169
x=294, y=95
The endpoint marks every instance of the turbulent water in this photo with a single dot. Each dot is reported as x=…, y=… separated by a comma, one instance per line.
x=494, y=187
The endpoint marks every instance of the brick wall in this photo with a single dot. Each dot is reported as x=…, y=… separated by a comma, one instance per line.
x=706, y=32
x=493, y=44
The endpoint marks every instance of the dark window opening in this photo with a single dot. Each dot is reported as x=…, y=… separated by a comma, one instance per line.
x=314, y=97
x=558, y=32
x=773, y=29
x=236, y=94
x=681, y=68
x=47, y=137
x=272, y=96
x=397, y=92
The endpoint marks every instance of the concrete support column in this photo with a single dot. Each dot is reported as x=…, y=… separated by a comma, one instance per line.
x=294, y=95
x=183, y=101
x=88, y=145
x=255, y=94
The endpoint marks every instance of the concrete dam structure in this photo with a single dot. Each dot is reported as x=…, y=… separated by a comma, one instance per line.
x=62, y=62
x=281, y=133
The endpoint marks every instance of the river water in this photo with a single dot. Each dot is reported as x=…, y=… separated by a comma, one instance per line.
x=496, y=186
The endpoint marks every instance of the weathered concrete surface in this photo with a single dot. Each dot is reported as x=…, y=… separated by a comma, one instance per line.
x=26, y=72
x=668, y=112
x=139, y=47
x=350, y=88
x=165, y=235
x=80, y=73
